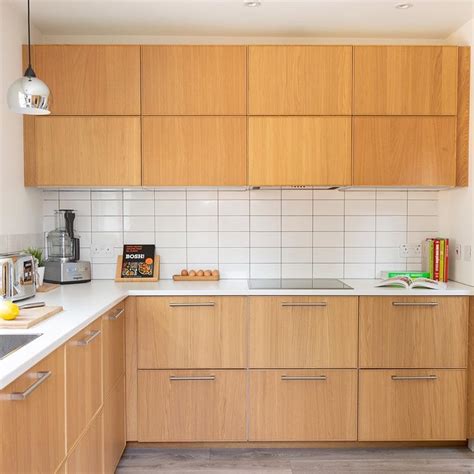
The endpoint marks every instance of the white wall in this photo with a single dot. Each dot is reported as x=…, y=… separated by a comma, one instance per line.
x=456, y=206
x=20, y=208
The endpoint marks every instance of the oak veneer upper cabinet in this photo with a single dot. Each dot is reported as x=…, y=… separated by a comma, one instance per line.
x=404, y=151
x=33, y=428
x=292, y=151
x=300, y=80
x=90, y=79
x=82, y=151
x=405, y=80
x=194, y=151
x=194, y=80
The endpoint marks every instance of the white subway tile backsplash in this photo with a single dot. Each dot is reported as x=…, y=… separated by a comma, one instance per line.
x=261, y=233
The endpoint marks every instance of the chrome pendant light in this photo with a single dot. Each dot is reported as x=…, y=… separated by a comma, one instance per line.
x=29, y=95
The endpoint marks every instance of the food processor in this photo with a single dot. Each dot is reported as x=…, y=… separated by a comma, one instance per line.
x=63, y=264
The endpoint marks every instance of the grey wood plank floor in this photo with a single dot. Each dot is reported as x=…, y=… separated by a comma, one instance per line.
x=295, y=461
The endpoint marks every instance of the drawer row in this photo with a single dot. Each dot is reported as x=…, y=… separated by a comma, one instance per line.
x=302, y=332
x=301, y=405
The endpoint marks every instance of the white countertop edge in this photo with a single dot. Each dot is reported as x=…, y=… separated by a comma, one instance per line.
x=84, y=303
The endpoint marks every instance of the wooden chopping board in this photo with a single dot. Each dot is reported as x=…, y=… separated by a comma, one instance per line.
x=30, y=317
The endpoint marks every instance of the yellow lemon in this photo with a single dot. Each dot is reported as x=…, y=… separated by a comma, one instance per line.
x=8, y=310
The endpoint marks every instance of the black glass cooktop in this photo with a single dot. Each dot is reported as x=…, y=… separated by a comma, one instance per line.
x=298, y=284
x=11, y=342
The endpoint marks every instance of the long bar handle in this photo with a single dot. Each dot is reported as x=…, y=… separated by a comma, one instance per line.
x=117, y=315
x=425, y=303
x=41, y=378
x=303, y=377
x=319, y=304
x=183, y=378
x=87, y=341
x=414, y=377
x=185, y=305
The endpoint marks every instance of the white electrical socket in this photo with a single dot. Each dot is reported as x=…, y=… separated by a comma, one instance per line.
x=102, y=251
x=410, y=250
x=467, y=253
x=458, y=251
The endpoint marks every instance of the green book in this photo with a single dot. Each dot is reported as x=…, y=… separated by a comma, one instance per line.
x=411, y=275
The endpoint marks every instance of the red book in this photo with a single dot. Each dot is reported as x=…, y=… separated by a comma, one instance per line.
x=446, y=261
x=436, y=260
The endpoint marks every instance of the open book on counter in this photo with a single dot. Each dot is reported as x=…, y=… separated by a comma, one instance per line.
x=409, y=283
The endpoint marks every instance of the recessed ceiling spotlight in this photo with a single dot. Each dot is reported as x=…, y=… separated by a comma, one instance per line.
x=403, y=6
x=253, y=4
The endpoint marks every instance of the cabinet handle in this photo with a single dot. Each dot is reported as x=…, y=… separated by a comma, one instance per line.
x=426, y=303
x=320, y=304
x=41, y=378
x=303, y=377
x=116, y=316
x=414, y=377
x=184, y=305
x=87, y=341
x=183, y=378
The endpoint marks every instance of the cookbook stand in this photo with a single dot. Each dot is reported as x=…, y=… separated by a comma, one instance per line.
x=137, y=279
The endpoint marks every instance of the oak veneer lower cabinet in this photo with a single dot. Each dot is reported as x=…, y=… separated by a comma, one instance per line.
x=87, y=457
x=413, y=332
x=32, y=423
x=291, y=151
x=404, y=151
x=191, y=405
x=113, y=330
x=83, y=379
x=303, y=331
x=192, y=332
x=412, y=405
x=194, y=151
x=82, y=151
x=303, y=405
x=114, y=426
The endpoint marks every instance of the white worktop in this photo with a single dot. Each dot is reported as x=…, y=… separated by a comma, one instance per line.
x=83, y=303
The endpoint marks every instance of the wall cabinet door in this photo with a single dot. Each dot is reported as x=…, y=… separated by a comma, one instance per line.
x=33, y=426
x=405, y=80
x=287, y=151
x=300, y=80
x=192, y=332
x=113, y=327
x=412, y=405
x=194, y=151
x=303, y=332
x=114, y=426
x=82, y=151
x=88, y=454
x=198, y=405
x=404, y=151
x=83, y=380
x=409, y=332
x=194, y=80
x=90, y=79
x=303, y=405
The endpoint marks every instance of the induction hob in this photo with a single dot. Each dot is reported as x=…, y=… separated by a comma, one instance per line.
x=298, y=284
x=11, y=342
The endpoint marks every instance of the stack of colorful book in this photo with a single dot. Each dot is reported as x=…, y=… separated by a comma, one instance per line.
x=435, y=258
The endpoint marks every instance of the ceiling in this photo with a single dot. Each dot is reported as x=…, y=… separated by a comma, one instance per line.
x=274, y=18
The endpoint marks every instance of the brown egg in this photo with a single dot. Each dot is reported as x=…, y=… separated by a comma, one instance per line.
x=207, y=273
x=192, y=273
x=184, y=273
x=215, y=273
x=200, y=273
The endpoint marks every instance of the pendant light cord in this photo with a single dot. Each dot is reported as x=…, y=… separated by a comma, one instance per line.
x=29, y=70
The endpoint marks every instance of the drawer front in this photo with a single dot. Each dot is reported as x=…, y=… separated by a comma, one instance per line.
x=303, y=332
x=113, y=328
x=195, y=332
x=88, y=455
x=83, y=379
x=412, y=405
x=32, y=419
x=413, y=332
x=303, y=405
x=198, y=405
